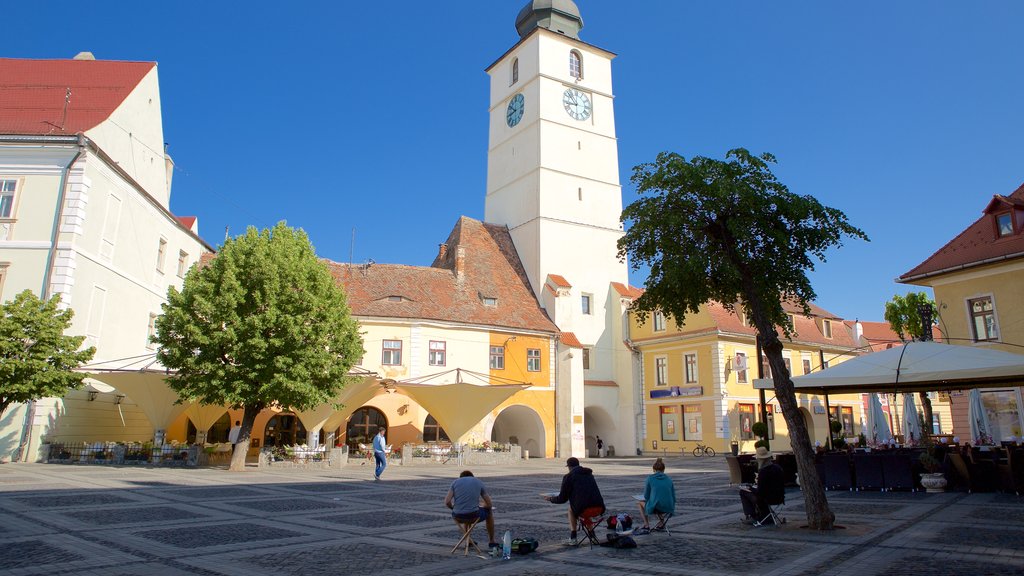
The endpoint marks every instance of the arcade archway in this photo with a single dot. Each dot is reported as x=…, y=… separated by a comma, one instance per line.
x=521, y=425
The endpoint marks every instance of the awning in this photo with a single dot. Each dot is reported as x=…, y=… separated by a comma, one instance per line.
x=150, y=392
x=914, y=367
x=460, y=406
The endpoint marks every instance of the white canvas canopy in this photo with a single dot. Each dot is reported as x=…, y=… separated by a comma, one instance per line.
x=914, y=367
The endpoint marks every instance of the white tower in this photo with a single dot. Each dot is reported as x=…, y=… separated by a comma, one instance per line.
x=553, y=179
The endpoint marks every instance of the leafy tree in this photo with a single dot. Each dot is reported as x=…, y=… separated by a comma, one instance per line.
x=729, y=231
x=904, y=317
x=263, y=324
x=36, y=359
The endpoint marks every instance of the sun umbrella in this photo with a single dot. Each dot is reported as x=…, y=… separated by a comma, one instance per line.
x=981, y=433
x=911, y=423
x=878, y=424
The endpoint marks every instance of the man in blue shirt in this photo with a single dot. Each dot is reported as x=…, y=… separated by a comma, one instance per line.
x=464, y=498
x=379, y=454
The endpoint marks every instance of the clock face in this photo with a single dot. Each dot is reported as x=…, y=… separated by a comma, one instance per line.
x=576, y=103
x=514, y=113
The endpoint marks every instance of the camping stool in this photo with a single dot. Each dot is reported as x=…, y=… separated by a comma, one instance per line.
x=589, y=520
x=467, y=535
x=772, y=513
x=662, y=525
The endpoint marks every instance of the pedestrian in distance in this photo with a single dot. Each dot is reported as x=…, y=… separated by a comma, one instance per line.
x=235, y=431
x=379, y=453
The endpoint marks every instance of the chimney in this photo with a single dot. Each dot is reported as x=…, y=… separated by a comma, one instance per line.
x=858, y=332
x=168, y=172
x=442, y=249
x=460, y=263
x=84, y=56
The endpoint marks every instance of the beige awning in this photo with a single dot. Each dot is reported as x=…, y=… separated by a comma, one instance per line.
x=150, y=392
x=204, y=416
x=351, y=398
x=460, y=406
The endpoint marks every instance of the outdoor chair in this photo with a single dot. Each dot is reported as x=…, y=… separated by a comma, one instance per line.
x=1017, y=470
x=837, y=471
x=868, y=471
x=788, y=464
x=589, y=520
x=897, y=471
x=662, y=525
x=467, y=536
x=771, y=503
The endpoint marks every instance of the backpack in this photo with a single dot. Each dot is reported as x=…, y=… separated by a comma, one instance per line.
x=621, y=519
x=524, y=545
x=619, y=541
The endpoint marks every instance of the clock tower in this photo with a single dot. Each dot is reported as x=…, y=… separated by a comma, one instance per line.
x=553, y=179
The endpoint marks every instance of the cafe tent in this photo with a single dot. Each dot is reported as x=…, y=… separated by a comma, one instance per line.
x=914, y=367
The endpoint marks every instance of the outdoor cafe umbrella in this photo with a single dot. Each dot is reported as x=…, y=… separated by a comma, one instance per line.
x=878, y=424
x=981, y=433
x=911, y=422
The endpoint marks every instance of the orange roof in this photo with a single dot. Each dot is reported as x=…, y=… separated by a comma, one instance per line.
x=627, y=291
x=880, y=336
x=569, y=339
x=805, y=327
x=978, y=244
x=490, y=270
x=559, y=281
x=33, y=93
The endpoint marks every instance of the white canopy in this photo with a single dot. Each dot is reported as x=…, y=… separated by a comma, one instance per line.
x=150, y=392
x=915, y=366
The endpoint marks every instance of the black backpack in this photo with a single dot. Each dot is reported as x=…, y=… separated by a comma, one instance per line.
x=524, y=545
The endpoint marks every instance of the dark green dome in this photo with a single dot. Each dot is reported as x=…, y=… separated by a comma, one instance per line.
x=560, y=16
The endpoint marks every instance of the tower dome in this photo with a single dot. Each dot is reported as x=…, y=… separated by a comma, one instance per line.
x=560, y=16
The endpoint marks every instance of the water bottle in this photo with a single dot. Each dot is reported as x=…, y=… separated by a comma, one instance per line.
x=506, y=545
x=618, y=526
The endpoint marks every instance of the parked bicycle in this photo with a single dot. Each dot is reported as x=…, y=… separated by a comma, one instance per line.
x=703, y=450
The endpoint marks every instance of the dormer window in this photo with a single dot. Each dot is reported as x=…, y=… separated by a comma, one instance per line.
x=826, y=328
x=489, y=301
x=395, y=298
x=575, y=65
x=1004, y=224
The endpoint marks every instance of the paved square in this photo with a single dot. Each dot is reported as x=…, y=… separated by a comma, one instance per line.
x=63, y=520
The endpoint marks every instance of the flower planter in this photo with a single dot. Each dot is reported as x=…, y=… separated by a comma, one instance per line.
x=934, y=482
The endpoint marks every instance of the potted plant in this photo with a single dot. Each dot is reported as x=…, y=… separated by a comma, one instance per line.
x=760, y=429
x=932, y=478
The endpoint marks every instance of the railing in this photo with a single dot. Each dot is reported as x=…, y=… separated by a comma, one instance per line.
x=115, y=453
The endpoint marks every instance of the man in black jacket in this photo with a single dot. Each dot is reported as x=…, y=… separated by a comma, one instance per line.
x=770, y=489
x=579, y=489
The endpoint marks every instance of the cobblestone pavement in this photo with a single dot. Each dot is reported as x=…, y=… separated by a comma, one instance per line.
x=90, y=520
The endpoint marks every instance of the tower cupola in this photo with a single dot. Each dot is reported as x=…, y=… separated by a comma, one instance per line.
x=561, y=16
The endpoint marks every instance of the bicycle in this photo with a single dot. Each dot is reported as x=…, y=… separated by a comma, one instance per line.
x=703, y=450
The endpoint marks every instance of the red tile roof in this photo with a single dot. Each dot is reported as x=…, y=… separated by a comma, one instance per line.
x=627, y=291
x=559, y=281
x=187, y=221
x=881, y=337
x=569, y=339
x=976, y=245
x=806, y=328
x=33, y=92
x=491, y=269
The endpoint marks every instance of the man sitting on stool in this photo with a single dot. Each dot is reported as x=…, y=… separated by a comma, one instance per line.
x=770, y=487
x=464, y=499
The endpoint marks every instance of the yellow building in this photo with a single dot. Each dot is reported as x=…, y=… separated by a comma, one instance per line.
x=978, y=281
x=697, y=379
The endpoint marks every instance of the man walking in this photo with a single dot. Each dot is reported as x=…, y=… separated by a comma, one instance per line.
x=379, y=454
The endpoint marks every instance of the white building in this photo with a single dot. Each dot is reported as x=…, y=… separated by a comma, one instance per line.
x=553, y=179
x=84, y=213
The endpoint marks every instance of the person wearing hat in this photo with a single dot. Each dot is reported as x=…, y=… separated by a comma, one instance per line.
x=771, y=487
x=579, y=489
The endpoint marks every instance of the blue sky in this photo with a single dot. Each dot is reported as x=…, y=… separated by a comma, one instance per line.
x=906, y=115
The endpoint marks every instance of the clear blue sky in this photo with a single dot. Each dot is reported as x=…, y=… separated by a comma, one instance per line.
x=906, y=115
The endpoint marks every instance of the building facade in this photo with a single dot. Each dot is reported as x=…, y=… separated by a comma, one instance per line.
x=978, y=281
x=84, y=213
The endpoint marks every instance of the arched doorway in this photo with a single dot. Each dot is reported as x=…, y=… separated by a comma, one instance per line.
x=809, y=423
x=284, y=429
x=521, y=425
x=432, y=431
x=598, y=422
x=362, y=426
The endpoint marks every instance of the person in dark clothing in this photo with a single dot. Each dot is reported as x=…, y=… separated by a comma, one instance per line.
x=579, y=489
x=771, y=487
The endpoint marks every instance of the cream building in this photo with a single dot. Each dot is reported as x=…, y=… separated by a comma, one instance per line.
x=84, y=191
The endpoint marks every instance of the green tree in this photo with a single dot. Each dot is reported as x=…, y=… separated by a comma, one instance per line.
x=263, y=324
x=904, y=317
x=36, y=359
x=729, y=231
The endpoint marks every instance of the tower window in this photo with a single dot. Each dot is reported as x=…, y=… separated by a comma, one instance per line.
x=515, y=71
x=575, y=65
x=161, y=254
x=585, y=302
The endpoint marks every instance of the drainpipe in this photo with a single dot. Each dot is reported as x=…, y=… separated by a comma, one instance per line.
x=24, y=447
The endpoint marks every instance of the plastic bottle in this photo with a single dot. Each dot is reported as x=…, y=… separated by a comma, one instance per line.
x=506, y=545
x=618, y=525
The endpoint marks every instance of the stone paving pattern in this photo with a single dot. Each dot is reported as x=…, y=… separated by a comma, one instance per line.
x=85, y=520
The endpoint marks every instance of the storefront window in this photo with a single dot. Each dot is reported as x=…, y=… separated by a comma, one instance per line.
x=746, y=421
x=669, y=422
x=693, y=423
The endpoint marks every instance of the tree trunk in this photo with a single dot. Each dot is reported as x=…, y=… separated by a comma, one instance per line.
x=819, y=515
x=926, y=408
x=244, y=435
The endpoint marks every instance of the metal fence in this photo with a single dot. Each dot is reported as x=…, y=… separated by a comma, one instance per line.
x=113, y=453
